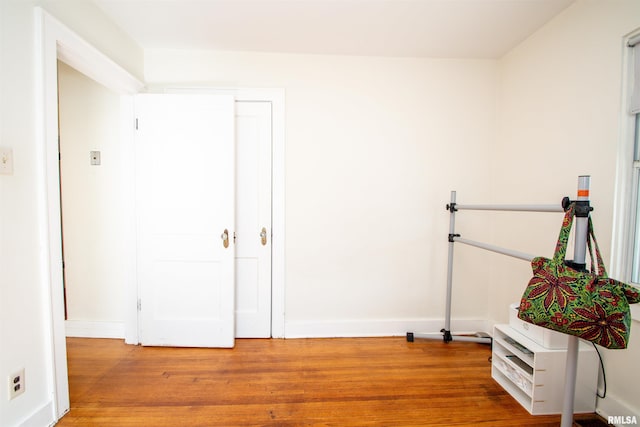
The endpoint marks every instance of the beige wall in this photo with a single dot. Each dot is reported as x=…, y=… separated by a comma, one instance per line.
x=373, y=147
x=559, y=117
x=94, y=203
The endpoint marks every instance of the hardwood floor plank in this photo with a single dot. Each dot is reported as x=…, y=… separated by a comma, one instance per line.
x=315, y=382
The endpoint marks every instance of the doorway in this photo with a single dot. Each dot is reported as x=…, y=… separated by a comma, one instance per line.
x=95, y=198
x=204, y=219
x=57, y=42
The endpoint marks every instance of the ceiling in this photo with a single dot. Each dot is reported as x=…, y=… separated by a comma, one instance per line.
x=398, y=28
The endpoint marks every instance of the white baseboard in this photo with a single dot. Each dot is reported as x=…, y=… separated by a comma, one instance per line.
x=377, y=328
x=612, y=406
x=42, y=417
x=92, y=329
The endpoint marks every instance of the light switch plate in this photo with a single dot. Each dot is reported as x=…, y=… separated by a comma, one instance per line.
x=95, y=158
x=6, y=161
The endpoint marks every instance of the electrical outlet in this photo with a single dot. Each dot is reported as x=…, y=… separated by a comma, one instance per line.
x=16, y=384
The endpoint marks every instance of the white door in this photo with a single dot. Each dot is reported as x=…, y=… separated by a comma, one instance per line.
x=185, y=193
x=253, y=219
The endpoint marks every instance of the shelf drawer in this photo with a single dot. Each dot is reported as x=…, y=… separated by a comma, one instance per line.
x=534, y=375
x=517, y=377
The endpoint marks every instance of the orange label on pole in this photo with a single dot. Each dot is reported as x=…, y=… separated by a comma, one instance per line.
x=583, y=193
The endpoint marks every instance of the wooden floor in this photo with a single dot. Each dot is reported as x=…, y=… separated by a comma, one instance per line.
x=301, y=382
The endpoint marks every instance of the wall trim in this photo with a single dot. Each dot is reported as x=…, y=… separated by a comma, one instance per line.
x=79, y=54
x=55, y=41
x=42, y=417
x=621, y=238
x=378, y=327
x=94, y=329
x=614, y=406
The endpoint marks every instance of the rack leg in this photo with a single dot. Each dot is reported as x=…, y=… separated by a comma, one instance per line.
x=452, y=230
x=447, y=336
x=445, y=333
x=570, y=382
x=579, y=257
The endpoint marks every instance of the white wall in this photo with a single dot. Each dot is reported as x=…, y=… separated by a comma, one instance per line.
x=25, y=328
x=559, y=116
x=94, y=205
x=373, y=147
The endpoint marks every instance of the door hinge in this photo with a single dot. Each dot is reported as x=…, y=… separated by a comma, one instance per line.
x=139, y=304
x=136, y=123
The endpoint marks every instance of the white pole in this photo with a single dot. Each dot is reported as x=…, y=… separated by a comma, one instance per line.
x=521, y=208
x=579, y=257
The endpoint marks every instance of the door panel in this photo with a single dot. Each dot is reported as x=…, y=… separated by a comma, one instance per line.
x=185, y=175
x=253, y=212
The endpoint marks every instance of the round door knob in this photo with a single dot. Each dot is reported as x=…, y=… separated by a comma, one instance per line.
x=225, y=238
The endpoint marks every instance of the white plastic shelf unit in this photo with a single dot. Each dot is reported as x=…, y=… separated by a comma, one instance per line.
x=534, y=375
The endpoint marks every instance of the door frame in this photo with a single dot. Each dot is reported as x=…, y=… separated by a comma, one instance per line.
x=276, y=97
x=55, y=41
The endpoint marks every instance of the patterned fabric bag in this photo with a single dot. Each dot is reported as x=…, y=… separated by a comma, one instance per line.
x=587, y=304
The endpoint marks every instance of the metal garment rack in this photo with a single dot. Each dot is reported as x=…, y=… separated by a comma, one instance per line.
x=581, y=223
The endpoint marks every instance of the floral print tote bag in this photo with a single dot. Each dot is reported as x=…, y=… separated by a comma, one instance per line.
x=587, y=304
